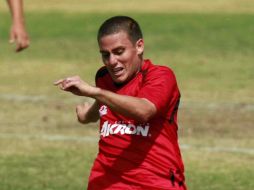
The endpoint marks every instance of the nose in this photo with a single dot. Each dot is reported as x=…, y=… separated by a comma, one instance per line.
x=112, y=60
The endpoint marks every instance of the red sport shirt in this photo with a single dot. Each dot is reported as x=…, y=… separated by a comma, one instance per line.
x=140, y=156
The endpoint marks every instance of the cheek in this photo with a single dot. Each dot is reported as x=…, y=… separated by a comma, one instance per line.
x=124, y=58
x=128, y=55
x=127, y=59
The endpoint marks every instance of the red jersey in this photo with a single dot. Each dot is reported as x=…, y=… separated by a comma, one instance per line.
x=135, y=155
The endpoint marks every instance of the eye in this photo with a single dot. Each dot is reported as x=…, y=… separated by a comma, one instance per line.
x=119, y=51
x=105, y=55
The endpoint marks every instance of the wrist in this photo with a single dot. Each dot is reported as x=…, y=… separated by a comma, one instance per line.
x=18, y=21
x=96, y=92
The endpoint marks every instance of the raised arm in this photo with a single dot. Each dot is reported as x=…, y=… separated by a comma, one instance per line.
x=18, y=33
x=139, y=109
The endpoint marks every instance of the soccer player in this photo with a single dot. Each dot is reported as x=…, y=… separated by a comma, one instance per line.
x=136, y=102
x=18, y=32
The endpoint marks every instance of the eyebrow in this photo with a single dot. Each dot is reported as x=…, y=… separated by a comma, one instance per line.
x=115, y=49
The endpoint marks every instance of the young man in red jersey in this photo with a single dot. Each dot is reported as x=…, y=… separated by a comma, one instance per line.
x=137, y=105
x=18, y=33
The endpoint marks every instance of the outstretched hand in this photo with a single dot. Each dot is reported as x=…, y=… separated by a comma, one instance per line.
x=76, y=86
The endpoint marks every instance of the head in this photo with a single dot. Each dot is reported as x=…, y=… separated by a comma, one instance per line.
x=121, y=46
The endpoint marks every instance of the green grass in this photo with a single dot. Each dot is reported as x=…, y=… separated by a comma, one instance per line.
x=49, y=166
x=217, y=172
x=211, y=54
x=143, y=6
x=214, y=47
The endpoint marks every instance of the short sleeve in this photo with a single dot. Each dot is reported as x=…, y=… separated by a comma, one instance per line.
x=160, y=87
x=99, y=75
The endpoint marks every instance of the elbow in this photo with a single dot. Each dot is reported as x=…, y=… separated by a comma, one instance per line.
x=87, y=121
x=147, y=113
x=143, y=119
x=145, y=116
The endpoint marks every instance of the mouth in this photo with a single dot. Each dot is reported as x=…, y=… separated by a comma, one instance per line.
x=117, y=71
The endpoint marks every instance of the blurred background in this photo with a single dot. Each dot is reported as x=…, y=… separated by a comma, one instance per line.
x=208, y=44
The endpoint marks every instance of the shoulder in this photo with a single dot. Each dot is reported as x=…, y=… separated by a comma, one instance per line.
x=164, y=69
x=101, y=73
x=161, y=72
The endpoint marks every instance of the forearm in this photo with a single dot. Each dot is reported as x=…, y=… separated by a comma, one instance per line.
x=139, y=109
x=93, y=113
x=87, y=113
x=16, y=8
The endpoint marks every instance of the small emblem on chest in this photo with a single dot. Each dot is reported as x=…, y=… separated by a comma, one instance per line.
x=103, y=110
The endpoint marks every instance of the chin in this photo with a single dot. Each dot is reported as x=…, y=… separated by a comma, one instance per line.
x=119, y=80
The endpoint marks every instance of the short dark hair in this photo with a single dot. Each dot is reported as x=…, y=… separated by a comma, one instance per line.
x=121, y=23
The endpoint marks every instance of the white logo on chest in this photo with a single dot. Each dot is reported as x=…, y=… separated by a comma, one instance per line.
x=103, y=110
x=117, y=128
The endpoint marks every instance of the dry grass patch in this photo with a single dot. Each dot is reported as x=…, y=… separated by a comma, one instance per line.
x=159, y=6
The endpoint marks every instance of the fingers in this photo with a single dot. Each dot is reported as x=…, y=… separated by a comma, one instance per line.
x=19, y=36
x=56, y=83
x=67, y=80
x=76, y=86
x=81, y=108
x=62, y=83
x=66, y=83
x=12, y=38
x=22, y=44
x=81, y=111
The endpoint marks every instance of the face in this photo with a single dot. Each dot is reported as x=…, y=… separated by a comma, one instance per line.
x=122, y=58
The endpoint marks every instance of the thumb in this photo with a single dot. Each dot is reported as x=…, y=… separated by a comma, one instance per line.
x=81, y=112
x=86, y=105
x=82, y=109
x=12, y=37
x=78, y=108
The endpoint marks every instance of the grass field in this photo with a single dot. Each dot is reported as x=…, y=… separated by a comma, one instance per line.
x=209, y=45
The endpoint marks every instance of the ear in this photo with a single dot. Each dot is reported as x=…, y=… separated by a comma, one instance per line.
x=140, y=46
